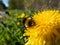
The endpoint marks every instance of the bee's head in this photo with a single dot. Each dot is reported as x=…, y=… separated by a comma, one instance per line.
x=28, y=22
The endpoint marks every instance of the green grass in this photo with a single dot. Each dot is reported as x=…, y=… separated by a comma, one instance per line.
x=10, y=32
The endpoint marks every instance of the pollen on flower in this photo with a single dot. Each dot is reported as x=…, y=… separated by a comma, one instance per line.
x=47, y=28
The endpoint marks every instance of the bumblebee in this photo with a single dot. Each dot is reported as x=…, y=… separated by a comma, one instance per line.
x=28, y=22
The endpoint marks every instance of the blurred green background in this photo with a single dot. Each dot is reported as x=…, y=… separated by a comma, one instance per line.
x=11, y=33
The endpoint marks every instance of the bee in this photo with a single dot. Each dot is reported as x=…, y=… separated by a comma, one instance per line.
x=28, y=22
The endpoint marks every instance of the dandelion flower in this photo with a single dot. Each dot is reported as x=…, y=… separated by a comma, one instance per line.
x=47, y=29
x=21, y=16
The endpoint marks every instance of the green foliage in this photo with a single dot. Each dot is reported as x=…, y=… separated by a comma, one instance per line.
x=16, y=4
x=10, y=32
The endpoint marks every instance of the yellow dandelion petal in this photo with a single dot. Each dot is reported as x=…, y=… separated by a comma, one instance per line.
x=47, y=28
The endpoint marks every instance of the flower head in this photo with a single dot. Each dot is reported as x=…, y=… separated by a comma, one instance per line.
x=47, y=28
x=21, y=16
